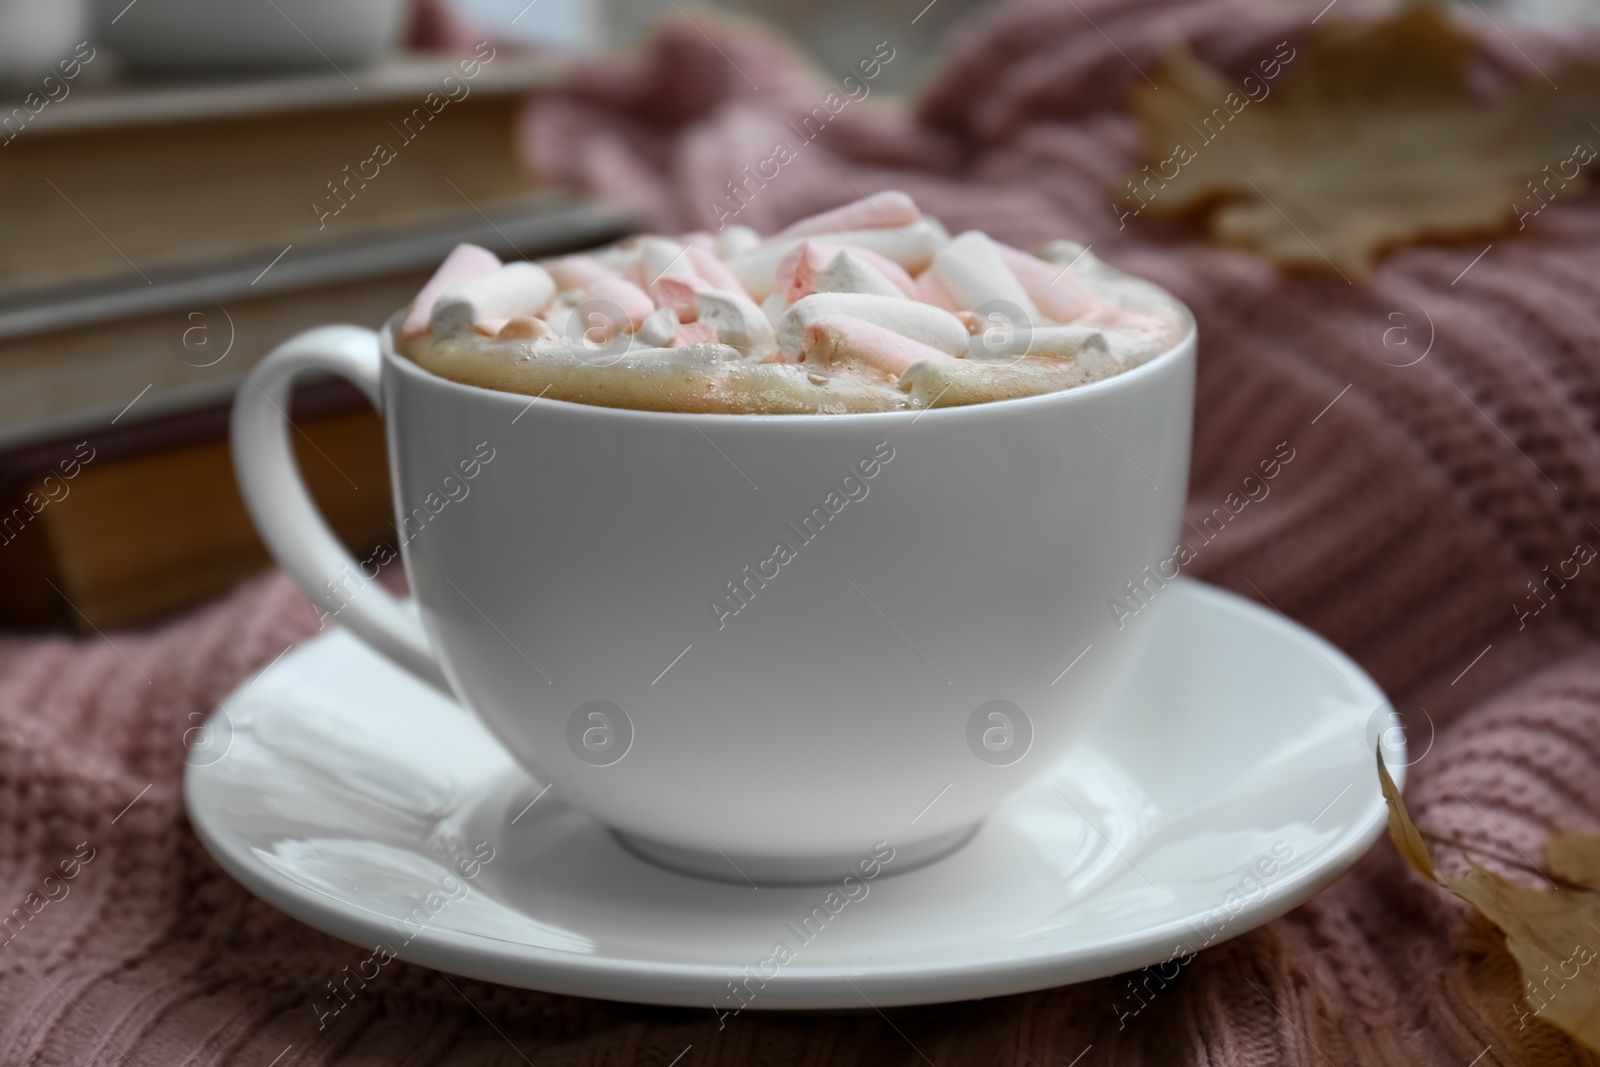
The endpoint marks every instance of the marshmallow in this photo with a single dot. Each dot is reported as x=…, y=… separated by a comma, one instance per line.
x=1094, y=348
x=930, y=290
x=736, y=240
x=830, y=340
x=559, y=317
x=736, y=320
x=1059, y=297
x=1067, y=253
x=971, y=269
x=822, y=318
x=485, y=302
x=911, y=247
x=576, y=272
x=711, y=269
x=931, y=326
x=659, y=327
x=796, y=272
x=773, y=308
x=660, y=258
x=691, y=334
x=617, y=258
x=849, y=273
x=610, y=306
x=522, y=328
x=886, y=210
x=888, y=268
x=678, y=294
x=463, y=263
x=954, y=382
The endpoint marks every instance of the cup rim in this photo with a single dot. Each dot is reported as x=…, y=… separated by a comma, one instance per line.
x=1125, y=380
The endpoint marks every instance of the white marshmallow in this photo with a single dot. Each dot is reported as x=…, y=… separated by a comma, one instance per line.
x=971, y=269
x=736, y=320
x=773, y=308
x=932, y=326
x=736, y=240
x=616, y=258
x=849, y=273
x=662, y=258
x=1099, y=349
x=913, y=247
x=658, y=328
x=516, y=290
x=1062, y=253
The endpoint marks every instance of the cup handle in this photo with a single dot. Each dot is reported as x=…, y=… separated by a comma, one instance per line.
x=283, y=511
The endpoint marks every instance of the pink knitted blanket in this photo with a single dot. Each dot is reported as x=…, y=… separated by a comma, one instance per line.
x=1423, y=501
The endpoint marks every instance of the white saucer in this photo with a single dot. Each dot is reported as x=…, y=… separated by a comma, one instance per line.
x=343, y=792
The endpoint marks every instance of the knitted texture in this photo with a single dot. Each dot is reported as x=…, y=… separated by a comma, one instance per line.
x=1422, y=501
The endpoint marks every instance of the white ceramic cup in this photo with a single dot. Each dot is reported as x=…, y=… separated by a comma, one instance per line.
x=937, y=633
x=235, y=35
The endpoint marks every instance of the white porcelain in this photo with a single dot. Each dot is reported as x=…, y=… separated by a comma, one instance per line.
x=34, y=36
x=567, y=595
x=215, y=35
x=349, y=795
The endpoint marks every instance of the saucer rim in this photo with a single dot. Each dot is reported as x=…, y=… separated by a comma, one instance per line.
x=809, y=987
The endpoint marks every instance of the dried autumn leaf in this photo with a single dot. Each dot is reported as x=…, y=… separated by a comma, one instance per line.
x=1373, y=137
x=1407, y=838
x=1550, y=935
x=1575, y=857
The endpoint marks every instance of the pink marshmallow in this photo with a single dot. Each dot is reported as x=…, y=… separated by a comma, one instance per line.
x=678, y=294
x=930, y=290
x=799, y=266
x=576, y=272
x=698, y=239
x=713, y=270
x=843, y=337
x=888, y=268
x=1057, y=296
x=602, y=299
x=464, y=262
x=813, y=256
x=887, y=210
x=692, y=333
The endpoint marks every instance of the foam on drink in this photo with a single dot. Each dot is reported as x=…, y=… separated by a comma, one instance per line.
x=832, y=315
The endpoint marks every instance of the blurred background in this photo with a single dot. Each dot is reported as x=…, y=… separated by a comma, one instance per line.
x=185, y=183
